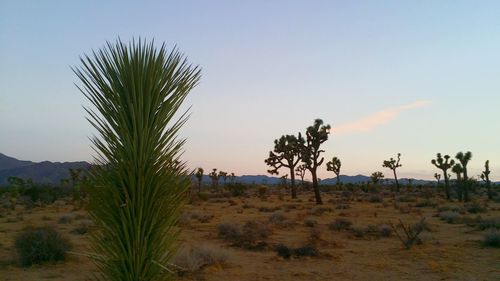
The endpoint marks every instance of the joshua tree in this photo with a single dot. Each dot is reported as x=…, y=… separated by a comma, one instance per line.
x=438, y=177
x=464, y=159
x=301, y=172
x=232, y=176
x=485, y=176
x=376, y=177
x=75, y=175
x=444, y=163
x=315, y=136
x=334, y=166
x=139, y=183
x=286, y=154
x=199, y=177
x=393, y=164
x=223, y=175
x=458, y=170
x=214, y=176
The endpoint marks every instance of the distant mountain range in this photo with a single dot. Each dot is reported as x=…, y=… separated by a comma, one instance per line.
x=53, y=172
x=41, y=172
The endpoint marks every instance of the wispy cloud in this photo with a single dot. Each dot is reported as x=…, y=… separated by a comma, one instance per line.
x=376, y=119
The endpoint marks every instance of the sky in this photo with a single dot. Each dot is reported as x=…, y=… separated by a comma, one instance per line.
x=409, y=77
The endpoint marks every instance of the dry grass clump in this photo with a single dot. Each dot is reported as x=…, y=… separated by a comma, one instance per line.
x=278, y=218
x=304, y=251
x=195, y=258
x=340, y=224
x=318, y=211
x=251, y=236
x=492, y=238
x=310, y=222
x=484, y=224
x=66, y=218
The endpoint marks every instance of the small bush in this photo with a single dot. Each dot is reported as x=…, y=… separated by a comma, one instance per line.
x=309, y=222
x=342, y=206
x=196, y=258
x=450, y=216
x=40, y=245
x=492, y=238
x=475, y=208
x=385, y=230
x=66, y=218
x=279, y=219
x=318, y=211
x=375, y=198
x=82, y=228
x=229, y=231
x=305, y=251
x=340, y=224
x=489, y=223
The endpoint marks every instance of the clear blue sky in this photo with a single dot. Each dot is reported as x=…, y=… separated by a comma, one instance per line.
x=416, y=77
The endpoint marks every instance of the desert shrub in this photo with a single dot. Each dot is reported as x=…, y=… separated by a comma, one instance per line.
x=279, y=219
x=247, y=206
x=492, y=238
x=193, y=259
x=305, y=251
x=384, y=230
x=411, y=233
x=236, y=189
x=66, y=218
x=251, y=236
x=342, y=206
x=375, y=198
x=266, y=209
x=310, y=222
x=261, y=191
x=407, y=199
x=359, y=231
x=425, y=203
x=489, y=223
x=40, y=245
x=450, y=216
x=318, y=211
x=340, y=224
x=82, y=228
x=475, y=207
x=229, y=231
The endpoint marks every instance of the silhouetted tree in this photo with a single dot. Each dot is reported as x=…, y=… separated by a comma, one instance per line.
x=199, y=177
x=214, y=176
x=458, y=170
x=334, y=166
x=485, y=176
x=75, y=175
x=438, y=177
x=376, y=177
x=464, y=159
x=232, y=177
x=223, y=175
x=393, y=164
x=286, y=154
x=301, y=172
x=444, y=164
x=315, y=136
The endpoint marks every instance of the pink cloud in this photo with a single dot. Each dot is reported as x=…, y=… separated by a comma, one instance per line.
x=377, y=119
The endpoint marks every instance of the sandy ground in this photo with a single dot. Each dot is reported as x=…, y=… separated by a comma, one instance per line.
x=448, y=252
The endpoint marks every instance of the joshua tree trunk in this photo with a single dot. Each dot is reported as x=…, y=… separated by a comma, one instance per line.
x=292, y=183
x=396, y=178
x=338, y=179
x=446, y=185
x=316, y=187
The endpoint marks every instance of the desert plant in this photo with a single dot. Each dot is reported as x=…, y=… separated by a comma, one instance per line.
x=340, y=224
x=40, y=245
x=444, y=163
x=139, y=182
x=489, y=223
x=223, y=175
x=393, y=164
x=195, y=258
x=411, y=233
x=464, y=159
x=287, y=252
x=199, y=177
x=438, y=178
x=214, y=176
x=485, y=176
x=311, y=152
x=301, y=172
x=310, y=222
x=334, y=166
x=492, y=238
x=286, y=153
x=376, y=177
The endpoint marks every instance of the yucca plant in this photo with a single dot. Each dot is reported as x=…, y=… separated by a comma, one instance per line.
x=139, y=182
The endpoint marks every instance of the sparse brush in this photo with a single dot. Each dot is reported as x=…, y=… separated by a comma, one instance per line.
x=492, y=238
x=305, y=251
x=66, y=218
x=489, y=223
x=450, y=216
x=138, y=182
x=278, y=218
x=40, y=245
x=475, y=207
x=340, y=224
x=375, y=198
x=195, y=258
x=318, y=211
x=385, y=230
x=309, y=222
x=411, y=233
